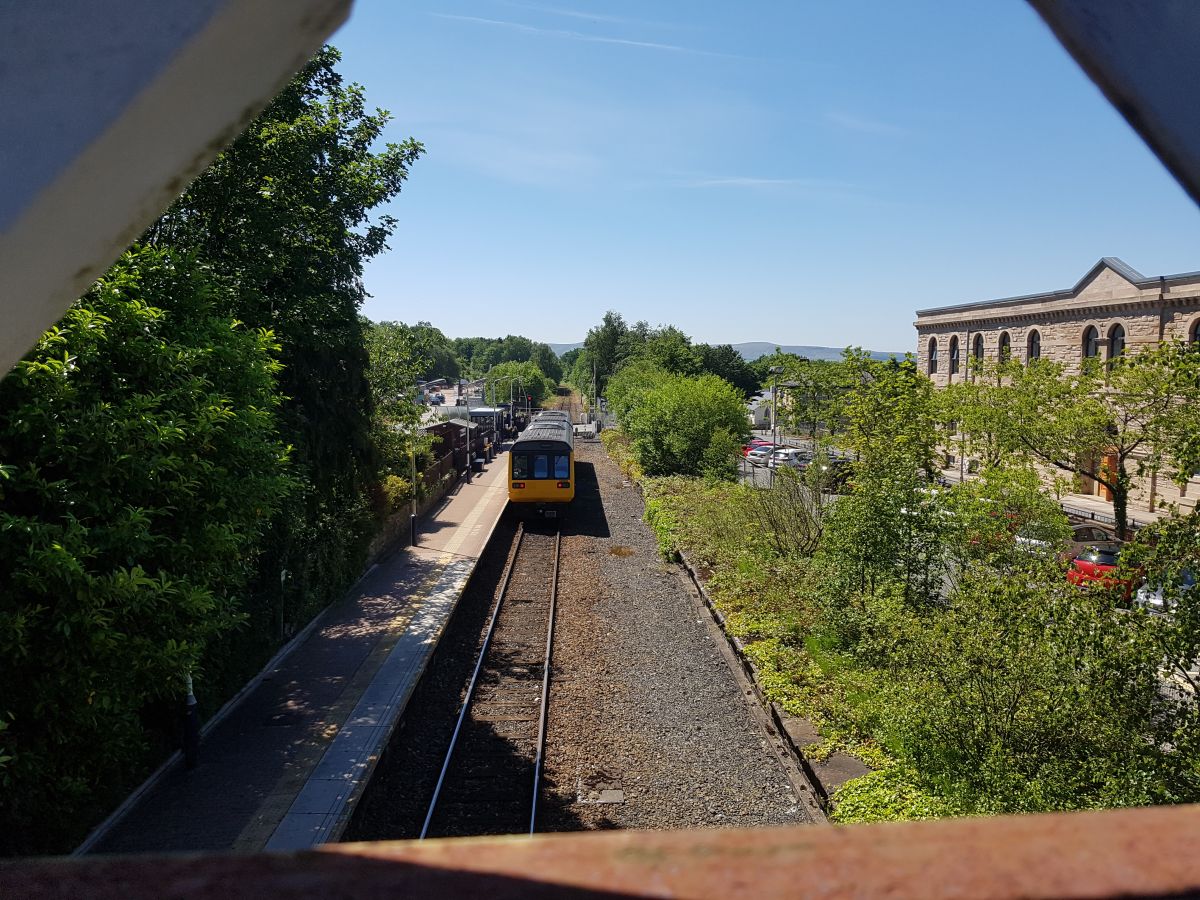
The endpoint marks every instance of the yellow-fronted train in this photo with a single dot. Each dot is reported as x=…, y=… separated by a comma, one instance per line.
x=541, y=467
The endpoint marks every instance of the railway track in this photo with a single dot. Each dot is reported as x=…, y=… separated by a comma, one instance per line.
x=490, y=778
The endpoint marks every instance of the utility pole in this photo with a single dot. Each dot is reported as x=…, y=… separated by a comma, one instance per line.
x=775, y=373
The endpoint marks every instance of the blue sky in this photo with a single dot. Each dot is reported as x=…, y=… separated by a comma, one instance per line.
x=795, y=172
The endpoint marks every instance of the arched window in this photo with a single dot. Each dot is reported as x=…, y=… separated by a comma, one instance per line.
x=1091, y=343
x=1194, y=337
x=1005, y=349
x=954, y=354
x=978, y=349
x=1033, y=348
x=933, y=360
x=1116, y=342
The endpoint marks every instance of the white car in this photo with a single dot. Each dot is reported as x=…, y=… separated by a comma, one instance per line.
x=1150, y=597
x=790, y=456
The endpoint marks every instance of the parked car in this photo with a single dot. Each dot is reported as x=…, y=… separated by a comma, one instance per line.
x=754, y=443
x=834, y=474
x=759, y=455
x=1097, y=566
x=790, y=456
x=1151, y=597
x=1087, y=535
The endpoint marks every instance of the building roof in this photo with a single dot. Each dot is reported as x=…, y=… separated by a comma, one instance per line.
x=1126, y=271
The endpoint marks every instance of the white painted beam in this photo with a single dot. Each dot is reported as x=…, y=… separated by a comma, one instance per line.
x=108, y=111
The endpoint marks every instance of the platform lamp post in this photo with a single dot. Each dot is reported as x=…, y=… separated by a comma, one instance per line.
x=775, y=371
x=412, y=462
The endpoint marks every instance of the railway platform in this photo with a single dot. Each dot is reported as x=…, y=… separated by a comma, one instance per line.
x=282, y=765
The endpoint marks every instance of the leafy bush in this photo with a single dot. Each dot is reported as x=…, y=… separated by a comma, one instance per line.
x=674, y=423
x=145, y=471
x=887, y=795
x=397, y=491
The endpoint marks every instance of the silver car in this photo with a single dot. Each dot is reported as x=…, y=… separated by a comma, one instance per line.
x=790, y=456
x=1088, y=535
x=1151, y=597
x=759, y=456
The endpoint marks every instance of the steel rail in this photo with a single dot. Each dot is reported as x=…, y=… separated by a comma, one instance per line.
x=543, y=713
x=466, y=704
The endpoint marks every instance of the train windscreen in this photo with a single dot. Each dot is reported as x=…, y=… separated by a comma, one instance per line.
x=527, y=466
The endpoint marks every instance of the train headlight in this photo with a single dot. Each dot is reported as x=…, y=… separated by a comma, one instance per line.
x=518, y=485
x=564, y=484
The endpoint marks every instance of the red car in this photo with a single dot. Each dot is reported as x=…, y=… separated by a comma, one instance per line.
x=754, y=443
x=1098, y=565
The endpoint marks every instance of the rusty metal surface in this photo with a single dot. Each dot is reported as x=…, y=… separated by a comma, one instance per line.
x=1141, y=54
x=1130, y=853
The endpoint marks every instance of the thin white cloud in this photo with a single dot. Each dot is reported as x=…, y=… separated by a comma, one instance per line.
x=587, y=16
x=866, y=126
x=580, y=36
x=748, y=181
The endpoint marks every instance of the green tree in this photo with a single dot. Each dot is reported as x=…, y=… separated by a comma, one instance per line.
x=674, y=423
x=890, y=530
x=1137, y=416
x=145, y=470
x=813, y=396
x=285, y=214
x=395, y=366
x=479, y=354
x=546, y=360
x=671, y=350
x=1002, y=518
x=436, y=354
x=975, y=411
x=628, y=387
x=567, y=361
x=725, y=362
x=525, y=379
x=603, y=351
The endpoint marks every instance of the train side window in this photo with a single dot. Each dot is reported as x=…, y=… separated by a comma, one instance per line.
x=562, y=466
x=541, y=466
x=520, y=464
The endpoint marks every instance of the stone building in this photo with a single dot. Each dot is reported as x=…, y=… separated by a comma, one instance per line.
x=1111, y=310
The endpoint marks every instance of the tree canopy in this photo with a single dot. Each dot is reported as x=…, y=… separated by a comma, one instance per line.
x=145, y=469
x=285, y=215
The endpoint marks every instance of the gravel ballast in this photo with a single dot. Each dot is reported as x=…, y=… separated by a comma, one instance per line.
x=649, y=728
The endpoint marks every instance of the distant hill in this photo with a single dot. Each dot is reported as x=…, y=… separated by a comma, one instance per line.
x=754, y=349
